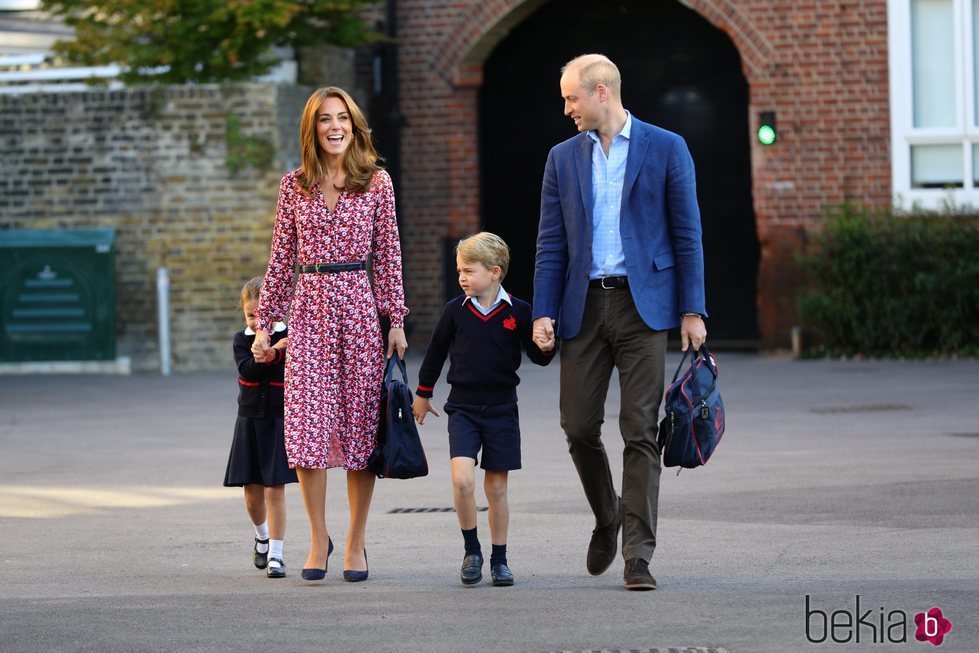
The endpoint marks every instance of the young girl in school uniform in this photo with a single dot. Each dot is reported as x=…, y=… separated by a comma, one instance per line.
x=258, y=457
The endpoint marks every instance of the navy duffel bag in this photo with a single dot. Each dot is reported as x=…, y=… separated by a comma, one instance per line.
x=694, y=421
x=399, y=452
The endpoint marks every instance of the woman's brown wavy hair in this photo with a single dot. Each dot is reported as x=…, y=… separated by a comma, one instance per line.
x=360, y=160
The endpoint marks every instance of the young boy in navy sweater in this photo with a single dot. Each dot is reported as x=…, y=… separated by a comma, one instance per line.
x=481, y=332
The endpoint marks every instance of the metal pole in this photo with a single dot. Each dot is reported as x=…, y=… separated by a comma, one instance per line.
x=796, y=335
x=163, y=317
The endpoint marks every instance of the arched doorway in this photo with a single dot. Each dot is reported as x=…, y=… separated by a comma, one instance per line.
x=680, y=73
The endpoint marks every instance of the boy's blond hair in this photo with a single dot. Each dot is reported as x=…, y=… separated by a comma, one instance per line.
x=486, y=248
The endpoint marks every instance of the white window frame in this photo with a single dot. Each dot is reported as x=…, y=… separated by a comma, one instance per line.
x=965, y=133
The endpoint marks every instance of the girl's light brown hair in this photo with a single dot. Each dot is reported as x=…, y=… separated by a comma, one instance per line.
x=251, y=291
x=360, y=161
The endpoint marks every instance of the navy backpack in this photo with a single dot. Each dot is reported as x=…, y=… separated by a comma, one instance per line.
x=694, y=421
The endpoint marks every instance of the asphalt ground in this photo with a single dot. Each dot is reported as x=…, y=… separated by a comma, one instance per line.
x=835, y=480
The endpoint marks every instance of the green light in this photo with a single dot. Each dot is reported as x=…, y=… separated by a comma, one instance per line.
x=766, y=127
x=766, y=134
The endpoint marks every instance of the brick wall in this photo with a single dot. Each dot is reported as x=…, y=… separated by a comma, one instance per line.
x=151, y=162
x=822, y=66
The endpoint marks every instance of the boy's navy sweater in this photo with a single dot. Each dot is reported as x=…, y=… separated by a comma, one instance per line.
x=483, y=351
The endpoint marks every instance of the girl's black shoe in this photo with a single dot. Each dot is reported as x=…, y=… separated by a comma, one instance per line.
x=261, y=560
x=277, y=568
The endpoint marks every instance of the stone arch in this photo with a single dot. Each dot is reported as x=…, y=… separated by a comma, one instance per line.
x=459, y=61
x=458, y=58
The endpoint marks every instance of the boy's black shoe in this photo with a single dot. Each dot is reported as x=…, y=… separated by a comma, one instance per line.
x=261, y=560
x=637, y=576
x=472, y=569
x=502, y=576
x=277, y=568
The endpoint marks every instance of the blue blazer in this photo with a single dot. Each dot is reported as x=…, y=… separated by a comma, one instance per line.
x=659, y=223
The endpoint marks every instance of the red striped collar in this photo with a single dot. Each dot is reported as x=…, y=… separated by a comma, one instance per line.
x=501, y=296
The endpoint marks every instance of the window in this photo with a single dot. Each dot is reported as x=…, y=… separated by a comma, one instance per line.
x=934, y=76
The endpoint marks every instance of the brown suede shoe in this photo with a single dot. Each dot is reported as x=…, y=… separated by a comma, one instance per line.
x=602, y=548
x=637, y=576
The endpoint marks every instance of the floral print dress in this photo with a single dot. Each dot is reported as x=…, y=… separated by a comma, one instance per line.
x=335, y=359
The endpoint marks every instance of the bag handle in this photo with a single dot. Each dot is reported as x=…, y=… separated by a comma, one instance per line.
x=704, y=353
x=680, y=366
x=389, y=370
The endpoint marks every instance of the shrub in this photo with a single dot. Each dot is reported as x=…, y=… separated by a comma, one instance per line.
x=891, y=284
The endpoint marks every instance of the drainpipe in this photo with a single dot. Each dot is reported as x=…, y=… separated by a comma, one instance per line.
x=389, y=91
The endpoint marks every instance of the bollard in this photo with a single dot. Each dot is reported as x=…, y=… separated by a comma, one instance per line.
x=797, y=342
x=163, y=321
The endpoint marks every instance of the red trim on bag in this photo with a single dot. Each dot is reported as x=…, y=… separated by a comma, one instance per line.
x=720, y=412
x=693, y=433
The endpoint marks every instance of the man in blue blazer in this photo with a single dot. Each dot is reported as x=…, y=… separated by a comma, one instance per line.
x=619, y=262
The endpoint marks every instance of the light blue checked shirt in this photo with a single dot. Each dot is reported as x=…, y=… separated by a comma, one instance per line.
x=607, y=178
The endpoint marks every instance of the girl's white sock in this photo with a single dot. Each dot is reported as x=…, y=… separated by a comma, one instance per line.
x=262, y=530
x=275, y=549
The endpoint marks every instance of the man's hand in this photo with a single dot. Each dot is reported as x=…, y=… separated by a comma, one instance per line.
x=544, y=333
x=421, y=407
x=693, y=332
x=397, y=340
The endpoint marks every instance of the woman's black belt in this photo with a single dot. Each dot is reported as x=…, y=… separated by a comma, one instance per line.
x=330, y=268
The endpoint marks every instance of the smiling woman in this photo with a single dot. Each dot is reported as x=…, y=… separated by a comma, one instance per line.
x=333, y=214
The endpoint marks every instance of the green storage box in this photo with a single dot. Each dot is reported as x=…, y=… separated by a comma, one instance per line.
x=57, y=295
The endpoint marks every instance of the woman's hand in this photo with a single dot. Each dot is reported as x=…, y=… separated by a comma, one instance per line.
x=397, y=340
x=260, y=347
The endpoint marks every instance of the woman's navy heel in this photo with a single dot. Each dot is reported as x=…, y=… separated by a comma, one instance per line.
x=352, y=576
x=312, y=574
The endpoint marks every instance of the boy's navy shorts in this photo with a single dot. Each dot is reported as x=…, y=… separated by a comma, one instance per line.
x=495, y=429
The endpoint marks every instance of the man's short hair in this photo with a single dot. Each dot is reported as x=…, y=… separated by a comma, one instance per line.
x=595, y=69
x=486, y=248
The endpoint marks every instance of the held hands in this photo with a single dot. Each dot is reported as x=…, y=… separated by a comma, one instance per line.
x=421, y=407
x=544, y=333
x=692, y=332
x=260, y=347
x=397, y=340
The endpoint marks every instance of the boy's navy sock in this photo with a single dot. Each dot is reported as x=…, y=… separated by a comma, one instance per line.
x=472, y=542
x=498, y=557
